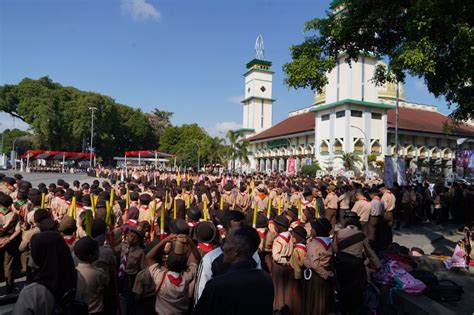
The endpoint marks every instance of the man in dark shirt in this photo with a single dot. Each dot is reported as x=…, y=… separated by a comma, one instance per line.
x=242, y=289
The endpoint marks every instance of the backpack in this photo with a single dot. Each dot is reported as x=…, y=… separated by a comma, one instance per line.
x=405, y=281
x=68, y=305
x=428, y=278
x=445, y=291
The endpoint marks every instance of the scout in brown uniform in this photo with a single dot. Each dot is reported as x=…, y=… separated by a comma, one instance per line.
x=317, y=283
x=389, y=201
x=144, y=209
x=261, y=200
x=243, y=199
x=7, y=186
x=228, y=196
x=281, y=270
x=298, y=238
x=330, y=206
x=9, y=236
x=362, y=209
x=96, y=279
x=132, y=260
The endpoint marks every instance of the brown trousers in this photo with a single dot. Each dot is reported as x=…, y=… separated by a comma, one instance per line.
x=330, y=215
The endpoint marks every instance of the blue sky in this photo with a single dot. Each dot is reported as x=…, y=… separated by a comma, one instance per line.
x=187, y=57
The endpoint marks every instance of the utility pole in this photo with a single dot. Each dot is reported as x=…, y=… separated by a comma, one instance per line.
x=92, y=109
x=366, y=153
x=396, y=132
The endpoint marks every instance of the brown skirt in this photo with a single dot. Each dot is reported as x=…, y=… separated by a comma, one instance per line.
x=287, y=290
x=317, y=295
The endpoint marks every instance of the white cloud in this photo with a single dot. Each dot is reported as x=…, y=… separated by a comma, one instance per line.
x=220, y=129
x=140, y=10
x=235, y=99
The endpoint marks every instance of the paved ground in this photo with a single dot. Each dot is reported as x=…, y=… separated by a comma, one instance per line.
x=47, y=178
x=429, y=236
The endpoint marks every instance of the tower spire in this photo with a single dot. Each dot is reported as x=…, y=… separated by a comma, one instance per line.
x=259, y=48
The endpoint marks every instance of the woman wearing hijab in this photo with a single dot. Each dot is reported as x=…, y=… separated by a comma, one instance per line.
x=317, y=283
x=56, y=276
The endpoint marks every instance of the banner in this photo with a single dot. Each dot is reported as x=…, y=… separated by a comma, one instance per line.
x=394, y=171
x=291, y=166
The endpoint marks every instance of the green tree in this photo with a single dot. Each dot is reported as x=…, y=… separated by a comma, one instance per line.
x=184, y=141
x=311, y=169
x=23, y=140
x=349, y=160
x=238, y=150
x=60, y=118
x=432, y=40
x=159, y=120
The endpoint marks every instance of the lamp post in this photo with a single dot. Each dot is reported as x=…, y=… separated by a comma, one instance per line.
x=396, y=131
x=366, y=153
x=1, y=148
x=92, y=109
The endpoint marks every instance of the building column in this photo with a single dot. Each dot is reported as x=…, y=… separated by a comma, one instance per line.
x=274, y=165
x=367, y=116
x=317, y=139
x=384, y=141
x=332, y=126
x=347, y=132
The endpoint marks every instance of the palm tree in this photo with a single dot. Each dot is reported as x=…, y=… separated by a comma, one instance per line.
x=349, y=160
x=238, y=147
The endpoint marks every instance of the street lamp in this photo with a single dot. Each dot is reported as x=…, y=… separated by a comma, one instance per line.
x=366, y=153
x=92, y=109
x=1, y=148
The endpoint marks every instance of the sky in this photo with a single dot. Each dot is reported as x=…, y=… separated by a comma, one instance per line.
x=184, y=56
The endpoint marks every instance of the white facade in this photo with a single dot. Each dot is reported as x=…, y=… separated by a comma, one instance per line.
x=350, y=116
x=257, y=102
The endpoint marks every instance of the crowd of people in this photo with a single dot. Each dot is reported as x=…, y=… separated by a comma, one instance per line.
x=146, y=242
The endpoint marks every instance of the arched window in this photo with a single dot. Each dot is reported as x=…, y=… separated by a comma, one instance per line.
x=324, y=148
x=337, y=147
x=376, y=148
x=359, y=147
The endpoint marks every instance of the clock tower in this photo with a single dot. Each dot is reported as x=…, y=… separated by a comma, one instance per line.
x=257, y=102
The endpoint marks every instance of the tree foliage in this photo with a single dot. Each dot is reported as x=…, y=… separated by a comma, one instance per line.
x=238, y=148
x=22, y=140
x=60, y=118
x=349, y=160
x=432, y=40
x=310, y=169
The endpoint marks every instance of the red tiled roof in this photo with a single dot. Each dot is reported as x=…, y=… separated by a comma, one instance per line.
x=424, y=121
x=294, y=124
x=409, y=119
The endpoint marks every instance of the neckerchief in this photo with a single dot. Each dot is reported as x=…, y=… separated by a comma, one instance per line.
x=176, y=281
x=4, y=211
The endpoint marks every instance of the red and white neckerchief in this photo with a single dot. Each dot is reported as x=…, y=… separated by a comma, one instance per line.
x=228, y=193
x=176, y=281
x=262, y=232
x=143, y=207
x=192, y=224
x=285, y=236
x=69, y=239
x=301, y=246
x=123, y=262
x=243, y=194
x=205, y=247
x=306, y=202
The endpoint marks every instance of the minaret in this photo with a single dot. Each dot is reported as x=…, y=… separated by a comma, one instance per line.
x=258, y=102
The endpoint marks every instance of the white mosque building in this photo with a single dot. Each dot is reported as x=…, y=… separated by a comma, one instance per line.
x=350, y=114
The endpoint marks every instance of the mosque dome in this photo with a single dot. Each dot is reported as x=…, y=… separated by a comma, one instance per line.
x=389, y=90
x=320, y=98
